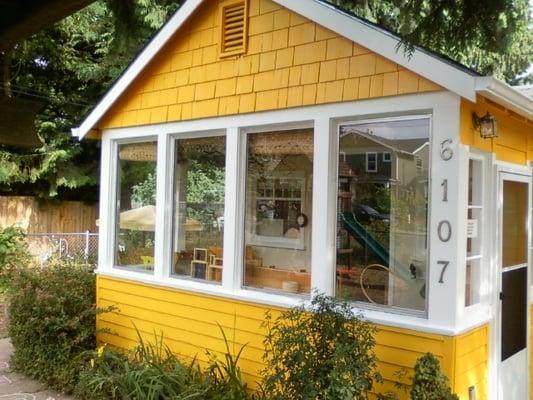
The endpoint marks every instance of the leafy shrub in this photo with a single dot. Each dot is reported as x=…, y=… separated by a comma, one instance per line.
x=52, y=321
x=152, y=372
x=13, y=252
x=321, y=352
x=429, y=383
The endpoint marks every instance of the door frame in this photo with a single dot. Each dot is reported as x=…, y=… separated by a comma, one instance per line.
x=505, y=171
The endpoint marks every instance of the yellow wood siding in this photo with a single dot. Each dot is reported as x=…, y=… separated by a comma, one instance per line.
x=189, y=324
x=515, y=140
x=290, y=61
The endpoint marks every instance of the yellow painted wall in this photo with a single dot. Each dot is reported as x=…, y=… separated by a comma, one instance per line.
x=515, y=141
x=290, y=62
x=189, y=323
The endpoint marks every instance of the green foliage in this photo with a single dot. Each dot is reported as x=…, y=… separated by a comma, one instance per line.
x=152, y=371
x=13, y=252
x=320, y=352
x=68, y=68
x=52, y=321
x=429, y=383
x=144, y=192
x=226, y=374
x=493, y=37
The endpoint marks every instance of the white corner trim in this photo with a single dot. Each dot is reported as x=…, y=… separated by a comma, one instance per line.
x=137, y=66
x=386, y=44
x=506, y=95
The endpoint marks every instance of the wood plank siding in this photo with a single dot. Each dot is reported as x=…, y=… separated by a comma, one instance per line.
x=188, y=322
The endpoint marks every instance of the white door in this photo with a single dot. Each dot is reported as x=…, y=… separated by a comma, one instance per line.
x=512, y=272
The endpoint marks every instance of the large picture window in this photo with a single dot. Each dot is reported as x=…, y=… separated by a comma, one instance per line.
x=199, y=182
x=279, y=170
x=382, y=216
x=135, y=218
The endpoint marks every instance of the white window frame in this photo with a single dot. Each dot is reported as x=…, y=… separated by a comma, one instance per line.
x=443, y=299
x=114, y=195
x=367, y=161
x=388, y=157
x=170, y=199
x=397, y=309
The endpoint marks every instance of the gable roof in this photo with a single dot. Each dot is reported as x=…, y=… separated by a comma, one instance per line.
x=440, y=70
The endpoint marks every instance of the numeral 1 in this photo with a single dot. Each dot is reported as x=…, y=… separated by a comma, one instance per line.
x=444, y=185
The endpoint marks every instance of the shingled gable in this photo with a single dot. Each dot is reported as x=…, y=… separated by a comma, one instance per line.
x=441, y=71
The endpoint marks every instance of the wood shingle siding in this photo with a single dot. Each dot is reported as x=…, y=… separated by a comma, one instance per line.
x=290, y=62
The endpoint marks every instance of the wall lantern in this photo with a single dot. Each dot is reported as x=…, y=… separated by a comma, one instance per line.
x=487, y=125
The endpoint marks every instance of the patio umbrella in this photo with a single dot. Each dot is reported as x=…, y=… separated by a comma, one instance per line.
x=138, y=219
x=143, y=219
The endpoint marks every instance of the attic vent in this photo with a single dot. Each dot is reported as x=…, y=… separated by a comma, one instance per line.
x=233, y=28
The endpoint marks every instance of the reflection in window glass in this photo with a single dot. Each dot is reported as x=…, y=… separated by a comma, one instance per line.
x=199, y=182
x=278, y=210
x=474, y=232
x=136, y=206
x=514, y=229
x=382, y=216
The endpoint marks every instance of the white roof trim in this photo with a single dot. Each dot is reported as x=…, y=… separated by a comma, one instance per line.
x=377, y=40
x=506, y=95
x=137, y=66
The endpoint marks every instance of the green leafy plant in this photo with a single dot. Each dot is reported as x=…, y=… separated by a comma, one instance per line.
x=226, y=374
x=429, y=383
x=323, y=351
x=13, y=252
x=52, y=321
x=151, y=372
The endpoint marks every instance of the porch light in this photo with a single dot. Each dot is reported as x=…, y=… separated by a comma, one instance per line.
x=487, y=125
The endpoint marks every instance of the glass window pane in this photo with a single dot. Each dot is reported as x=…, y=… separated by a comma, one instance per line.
x=136, y=206
x=514, y=235
x=278, y=210
x=382, y=216
x=199, y=184
x=473, y=271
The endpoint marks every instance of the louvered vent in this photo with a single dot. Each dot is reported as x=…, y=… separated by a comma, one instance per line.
x=233, y=28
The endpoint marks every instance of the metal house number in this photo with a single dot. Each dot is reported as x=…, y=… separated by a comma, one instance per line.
x=444, y=228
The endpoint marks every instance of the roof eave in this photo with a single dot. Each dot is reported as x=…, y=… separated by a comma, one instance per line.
x=504, y=94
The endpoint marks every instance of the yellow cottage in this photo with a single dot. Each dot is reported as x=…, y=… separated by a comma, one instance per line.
x=259, y=149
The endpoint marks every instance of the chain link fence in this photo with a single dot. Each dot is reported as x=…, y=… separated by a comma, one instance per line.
x=80, y=246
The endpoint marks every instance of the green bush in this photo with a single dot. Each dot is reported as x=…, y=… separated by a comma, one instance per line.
x=152, y=372
x=321, y=352
x=13, y=252
x=52, y=321
x=429, y=383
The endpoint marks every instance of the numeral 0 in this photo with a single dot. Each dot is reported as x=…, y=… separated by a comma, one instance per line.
x=444, y=230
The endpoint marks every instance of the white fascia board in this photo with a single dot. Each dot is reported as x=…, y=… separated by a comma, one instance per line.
x=137, y=66
x=386, y=45
x=504, y=94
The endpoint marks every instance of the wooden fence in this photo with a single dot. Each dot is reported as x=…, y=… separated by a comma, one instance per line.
x=45, y=217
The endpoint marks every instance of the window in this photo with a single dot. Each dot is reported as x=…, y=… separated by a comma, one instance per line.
x=371, y=162
x=279, y=169
x=199, y=181
x=386, y=157
x=135, y=219
x=382, y=218
x=474, y=231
